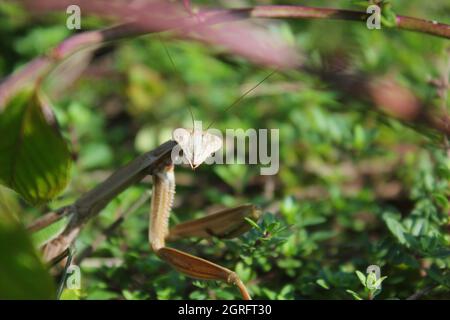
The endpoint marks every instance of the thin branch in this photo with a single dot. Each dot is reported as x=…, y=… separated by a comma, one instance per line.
x=388, y=96
x=139, y=9
x=425, y=26
x=104, y=234
x=207, y=17
x=419, y=294
x=300, y=12
x=91, y=203
x=48, y=219
x=40, y=66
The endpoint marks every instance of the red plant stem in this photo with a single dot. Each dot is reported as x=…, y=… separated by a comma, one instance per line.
x=300, y=12
x=41, y=65
x=424, y=26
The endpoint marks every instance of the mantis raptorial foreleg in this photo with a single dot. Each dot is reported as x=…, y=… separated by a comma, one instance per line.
x=226, y=223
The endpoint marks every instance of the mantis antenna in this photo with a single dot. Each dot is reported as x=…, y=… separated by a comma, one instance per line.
x=175, y=69
x=244, y=95
x=236, y=102
x=197, y=146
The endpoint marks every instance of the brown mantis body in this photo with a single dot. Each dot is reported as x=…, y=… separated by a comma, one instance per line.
x=226, y=223
x=196, y=146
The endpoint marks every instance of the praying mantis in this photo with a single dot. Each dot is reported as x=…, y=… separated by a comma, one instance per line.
x=158, y=163
x=196, y=146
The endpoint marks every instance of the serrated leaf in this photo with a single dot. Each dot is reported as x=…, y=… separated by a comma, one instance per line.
x=34, y=158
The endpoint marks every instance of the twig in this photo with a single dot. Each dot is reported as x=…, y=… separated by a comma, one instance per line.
x=91, y=203
x=417, y=295
x=208, y=17
x=59, y=257
x=64, y=274
x=300, y=12
x=48, y=219
x=40, y=66
x=111, y=228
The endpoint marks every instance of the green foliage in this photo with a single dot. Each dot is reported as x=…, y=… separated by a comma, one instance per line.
x=355, y=187
x=371, y=283
x=49, y=232
x=22, y=274
x=34, y=159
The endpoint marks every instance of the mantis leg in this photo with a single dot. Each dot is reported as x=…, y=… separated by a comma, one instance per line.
x=163, y=193
x=225, y=224
x=199, y=268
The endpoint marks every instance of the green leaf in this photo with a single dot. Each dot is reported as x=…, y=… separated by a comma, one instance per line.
x=235, y=175
x=322, y=283
x=388, y=16
x=379, y=281
x=253, y=224
x=361, y=277
x=370, y=281
x=51, y=231
x=70, y=294
x=359, y=137
x=354, y=294
x=22, y=274
x=395, y=227
x=271, y=295
x=34, y=158
x=129, y=295
x=441, y=200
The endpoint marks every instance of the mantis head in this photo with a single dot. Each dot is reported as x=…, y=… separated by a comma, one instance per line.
x=197, y=145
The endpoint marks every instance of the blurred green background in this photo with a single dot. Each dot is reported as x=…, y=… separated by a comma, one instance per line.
x=355, y=188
